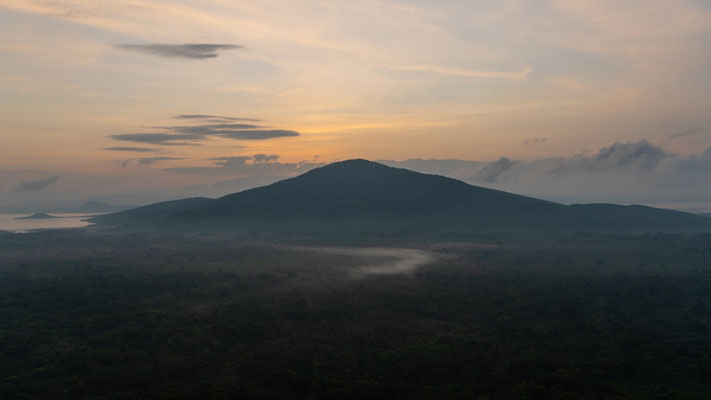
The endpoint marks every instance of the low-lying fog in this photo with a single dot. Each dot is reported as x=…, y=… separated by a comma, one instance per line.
x=380, y=260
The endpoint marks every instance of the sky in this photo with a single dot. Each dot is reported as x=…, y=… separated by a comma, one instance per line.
x=569, y=100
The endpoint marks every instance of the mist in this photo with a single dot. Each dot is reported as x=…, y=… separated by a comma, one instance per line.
x=381, y=260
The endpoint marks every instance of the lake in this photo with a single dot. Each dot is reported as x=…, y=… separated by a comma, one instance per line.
x=9, y=222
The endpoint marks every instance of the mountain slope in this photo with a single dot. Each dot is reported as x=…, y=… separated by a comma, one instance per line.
x=364, y=195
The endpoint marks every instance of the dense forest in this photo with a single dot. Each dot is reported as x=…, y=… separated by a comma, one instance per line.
x=104, y=315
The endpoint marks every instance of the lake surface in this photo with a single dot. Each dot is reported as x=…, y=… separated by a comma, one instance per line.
x=8, y=222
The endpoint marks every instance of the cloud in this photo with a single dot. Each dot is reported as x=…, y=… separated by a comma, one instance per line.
x=214, y=117
x=209, y=129
x=29, y=186
x=535, y=141
x=258, y=164
x=141, y=162
x=184, y=135
x=692, y=132
x=163, y=139
x=153, y=160
x=194, y=51
x=493, y=171
x=232, y=131
x=623, y=172
x=257, y=134
x=472, y=73
x=640, y=155
x=231, y=162
x=134, y=149
x=264, y=158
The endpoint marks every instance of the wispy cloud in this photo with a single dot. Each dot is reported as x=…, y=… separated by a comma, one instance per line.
x=625, y=172
x=213, y=118
x=257, y=164
x=473, y=73
x=641, y=155
x=255, y=134
x=152, y=160
x=209, y=129
x=143, y=161
x=535, y=141
x=185, y=135
x=494, y=171
x=692, y=132
x=132, y=149
x=163, y=139
x=40, y=184
x=194, y=51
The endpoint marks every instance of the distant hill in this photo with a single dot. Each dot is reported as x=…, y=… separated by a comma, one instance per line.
x=95, y=207
x=360, y=195
x=38, y=216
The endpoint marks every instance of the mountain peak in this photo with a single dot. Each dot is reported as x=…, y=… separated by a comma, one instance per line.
x=355, y=165
x=362, y=195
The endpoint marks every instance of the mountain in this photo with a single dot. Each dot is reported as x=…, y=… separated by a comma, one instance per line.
x=360, y=195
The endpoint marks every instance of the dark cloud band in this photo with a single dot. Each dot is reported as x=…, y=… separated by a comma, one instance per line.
x=194, y=51
x=213, y=117
x=163, y=139
x=184, y=135
x=131, y=149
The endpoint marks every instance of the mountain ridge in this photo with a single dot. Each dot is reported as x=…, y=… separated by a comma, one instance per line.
x=364, y=195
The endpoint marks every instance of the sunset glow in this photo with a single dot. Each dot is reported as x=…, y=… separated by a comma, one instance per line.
x=375, y=79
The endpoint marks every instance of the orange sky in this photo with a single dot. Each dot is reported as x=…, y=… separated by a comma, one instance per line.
x=375, y=79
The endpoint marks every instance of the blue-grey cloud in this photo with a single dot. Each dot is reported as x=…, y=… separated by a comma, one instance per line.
x=163, y=139
x=209, y=129
x=257, y=134
x=493, y=171
x=183, y=135
x=258, y=164
x=40, y=184
x=264, y=158
x=232, y=131
x=152, y=160
x=624, y=172
x=194, y=51
x=143, y=161
x=692, y=132
x=213, y=117
x=132, y=149
x=535, y=141
x=640, y=155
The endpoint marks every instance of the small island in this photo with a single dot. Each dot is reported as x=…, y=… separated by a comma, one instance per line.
x=38, y=216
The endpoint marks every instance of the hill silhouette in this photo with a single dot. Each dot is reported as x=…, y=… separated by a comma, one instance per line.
x=94, y=206
x=360, y=195
x=38, y=216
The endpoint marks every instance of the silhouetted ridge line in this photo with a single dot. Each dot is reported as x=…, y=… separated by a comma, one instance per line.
x=361, y=195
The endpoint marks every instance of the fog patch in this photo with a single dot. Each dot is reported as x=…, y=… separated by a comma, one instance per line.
x=380, y=260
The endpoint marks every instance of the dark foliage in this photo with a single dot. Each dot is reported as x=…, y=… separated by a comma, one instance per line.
x=111, y=316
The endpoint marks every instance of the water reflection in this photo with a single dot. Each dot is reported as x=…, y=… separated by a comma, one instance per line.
x=9, y=222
